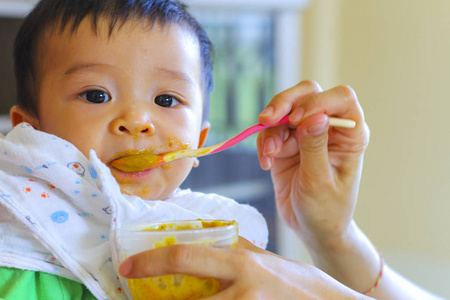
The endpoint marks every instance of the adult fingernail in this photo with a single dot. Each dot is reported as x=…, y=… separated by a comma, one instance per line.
x=319, y=128
x=125, y=267
x=269, y=146
x=268, y=111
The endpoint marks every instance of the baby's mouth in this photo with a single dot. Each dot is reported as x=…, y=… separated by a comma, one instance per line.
x=137, y=163
x=132, y=161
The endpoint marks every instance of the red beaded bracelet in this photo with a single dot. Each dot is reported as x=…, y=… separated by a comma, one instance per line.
x=379, y=276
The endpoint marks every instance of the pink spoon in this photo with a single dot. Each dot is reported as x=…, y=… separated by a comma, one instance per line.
x=140, y=162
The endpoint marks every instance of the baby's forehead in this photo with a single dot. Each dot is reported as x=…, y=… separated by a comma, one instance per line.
x=103, y=26
x=100, y=29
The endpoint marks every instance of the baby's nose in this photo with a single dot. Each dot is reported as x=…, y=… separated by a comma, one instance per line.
x=136, y=129
x=135, y=122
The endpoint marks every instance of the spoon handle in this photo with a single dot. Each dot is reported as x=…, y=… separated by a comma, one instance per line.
x=337, y=122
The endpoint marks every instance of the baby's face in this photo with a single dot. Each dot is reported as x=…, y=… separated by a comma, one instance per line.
x=139, y=89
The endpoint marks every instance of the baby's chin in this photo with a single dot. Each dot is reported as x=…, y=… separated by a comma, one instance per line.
x=143, y=192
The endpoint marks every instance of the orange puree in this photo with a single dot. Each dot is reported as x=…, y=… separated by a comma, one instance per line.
x=176, y=286
x=140, y=160
x=193, y=225
x=173, y=287
x=173, y=144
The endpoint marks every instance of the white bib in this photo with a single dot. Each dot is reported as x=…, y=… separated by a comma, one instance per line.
x=59, y=211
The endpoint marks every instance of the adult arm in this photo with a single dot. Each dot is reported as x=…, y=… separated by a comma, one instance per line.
x=316, y=171
x=246, y=272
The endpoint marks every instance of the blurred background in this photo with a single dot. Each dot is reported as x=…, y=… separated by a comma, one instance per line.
x=395, y=54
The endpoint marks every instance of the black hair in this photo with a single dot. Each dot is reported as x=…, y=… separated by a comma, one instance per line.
x=48, y=14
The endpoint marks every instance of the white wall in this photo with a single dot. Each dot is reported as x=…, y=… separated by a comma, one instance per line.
x=396, y=55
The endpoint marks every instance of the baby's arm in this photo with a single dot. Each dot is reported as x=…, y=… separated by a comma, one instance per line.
x=316, y=171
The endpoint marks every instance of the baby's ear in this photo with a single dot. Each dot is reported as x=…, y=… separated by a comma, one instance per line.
x=19, y=114
x=204, y=133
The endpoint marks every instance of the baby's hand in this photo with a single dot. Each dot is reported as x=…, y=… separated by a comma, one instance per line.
x=315, y=168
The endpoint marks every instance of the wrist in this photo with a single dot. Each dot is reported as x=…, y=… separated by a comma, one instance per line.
x=349, y=257
x=327, y=243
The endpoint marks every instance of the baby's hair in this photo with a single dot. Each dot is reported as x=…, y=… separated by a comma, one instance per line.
x=49, y=14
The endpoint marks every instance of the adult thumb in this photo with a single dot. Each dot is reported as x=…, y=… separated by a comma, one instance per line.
x=313, y=145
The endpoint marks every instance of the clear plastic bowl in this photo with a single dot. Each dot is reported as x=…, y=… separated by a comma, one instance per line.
x=141, y=237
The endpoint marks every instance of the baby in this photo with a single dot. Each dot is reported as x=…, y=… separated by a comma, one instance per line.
x=99, y=80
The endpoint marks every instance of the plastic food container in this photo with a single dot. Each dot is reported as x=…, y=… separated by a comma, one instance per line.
x=141, y=237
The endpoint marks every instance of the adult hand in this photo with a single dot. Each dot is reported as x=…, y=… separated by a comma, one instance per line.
x=246, y=272
x=315, y=168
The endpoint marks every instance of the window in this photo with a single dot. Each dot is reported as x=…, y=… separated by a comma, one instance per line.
x=243, y=70
x=257, y=55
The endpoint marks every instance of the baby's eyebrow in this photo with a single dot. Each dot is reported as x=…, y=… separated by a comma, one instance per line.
x=83, y=66
x=163, y=72
x=175, y=75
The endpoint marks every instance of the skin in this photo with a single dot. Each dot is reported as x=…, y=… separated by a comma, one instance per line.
x=132, y=69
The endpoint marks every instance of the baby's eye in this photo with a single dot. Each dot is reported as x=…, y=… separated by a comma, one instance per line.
x=96, y=96
x=166, y=101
